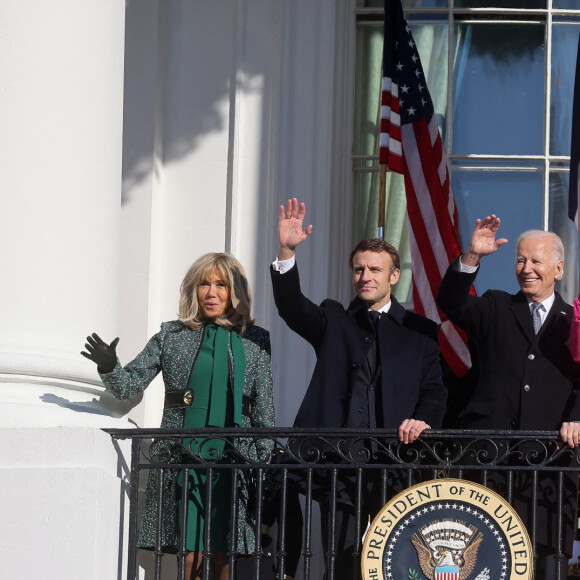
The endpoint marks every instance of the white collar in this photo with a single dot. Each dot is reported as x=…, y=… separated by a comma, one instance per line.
x=384, y=309
x=547, y=303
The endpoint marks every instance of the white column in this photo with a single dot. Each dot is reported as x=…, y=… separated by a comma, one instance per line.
x=61, y=93
x=61, y=97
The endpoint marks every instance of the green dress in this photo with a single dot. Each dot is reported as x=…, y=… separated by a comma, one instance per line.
x=173, y=352
x=213, y=405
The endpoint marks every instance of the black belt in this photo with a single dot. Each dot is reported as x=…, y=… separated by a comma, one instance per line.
x=178, y=399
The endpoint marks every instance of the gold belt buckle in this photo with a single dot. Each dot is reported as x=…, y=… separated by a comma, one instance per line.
x=188, y=397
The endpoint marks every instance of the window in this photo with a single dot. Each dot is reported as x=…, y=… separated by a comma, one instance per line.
x=501, y=76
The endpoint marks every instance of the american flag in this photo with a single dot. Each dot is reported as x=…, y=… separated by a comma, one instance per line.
x=574, y=188
x=410, y=143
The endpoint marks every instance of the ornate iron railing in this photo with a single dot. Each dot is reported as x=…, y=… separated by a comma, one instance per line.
x=277, y=463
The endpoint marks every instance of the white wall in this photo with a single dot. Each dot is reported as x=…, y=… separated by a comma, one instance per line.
x=137, y=136
x=61, y=87
x=64, y=504
x=254, y=105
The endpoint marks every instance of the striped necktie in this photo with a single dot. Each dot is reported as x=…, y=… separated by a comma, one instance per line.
x=536, y=318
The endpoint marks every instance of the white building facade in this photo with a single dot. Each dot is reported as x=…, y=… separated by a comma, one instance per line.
x=137, y=136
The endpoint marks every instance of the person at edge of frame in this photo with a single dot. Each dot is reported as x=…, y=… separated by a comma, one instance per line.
x=527, y=379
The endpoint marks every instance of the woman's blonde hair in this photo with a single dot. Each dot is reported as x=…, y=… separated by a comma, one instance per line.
x=238, y=314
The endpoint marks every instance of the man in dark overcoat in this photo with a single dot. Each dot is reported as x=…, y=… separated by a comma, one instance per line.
x=527, y=377
x=381, y=373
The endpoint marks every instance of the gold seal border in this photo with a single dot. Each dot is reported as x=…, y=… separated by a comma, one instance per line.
x=448, y=489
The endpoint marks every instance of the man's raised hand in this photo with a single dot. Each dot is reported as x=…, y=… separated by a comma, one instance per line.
x=483, y=240
x=290, y=230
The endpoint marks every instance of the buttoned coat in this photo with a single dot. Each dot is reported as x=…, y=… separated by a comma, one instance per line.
x=525, y=381
x=172, y=351
x=411, y=381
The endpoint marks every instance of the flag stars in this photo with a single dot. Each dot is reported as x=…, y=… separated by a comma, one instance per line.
x=417, y=73
x=405, y=89
x=411, y=43
x=400, y=66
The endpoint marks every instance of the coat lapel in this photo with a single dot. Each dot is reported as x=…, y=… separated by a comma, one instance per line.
x=357, y=309
x=555, y=319
x=390, y=339
x=521, y=311
x=186, y=347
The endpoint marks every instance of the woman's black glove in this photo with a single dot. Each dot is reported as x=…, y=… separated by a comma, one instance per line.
x=101, y=353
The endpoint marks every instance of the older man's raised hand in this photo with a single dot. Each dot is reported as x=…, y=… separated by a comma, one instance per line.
x=483, y=240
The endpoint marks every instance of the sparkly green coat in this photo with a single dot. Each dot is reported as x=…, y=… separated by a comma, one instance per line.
x=172, y=351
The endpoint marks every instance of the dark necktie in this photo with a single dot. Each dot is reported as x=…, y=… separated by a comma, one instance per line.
x=375, y=315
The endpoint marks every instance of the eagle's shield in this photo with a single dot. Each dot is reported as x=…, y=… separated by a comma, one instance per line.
x=447, y=573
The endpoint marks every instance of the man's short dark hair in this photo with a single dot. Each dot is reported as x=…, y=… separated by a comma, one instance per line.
x=377, y=245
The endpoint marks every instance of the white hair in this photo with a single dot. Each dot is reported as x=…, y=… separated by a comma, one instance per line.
x=557, y=245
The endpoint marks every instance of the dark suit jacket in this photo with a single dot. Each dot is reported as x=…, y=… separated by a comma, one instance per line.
x=411, y=373
x=526, y=381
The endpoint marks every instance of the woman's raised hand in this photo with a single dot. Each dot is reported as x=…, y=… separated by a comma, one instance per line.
x=101, y=353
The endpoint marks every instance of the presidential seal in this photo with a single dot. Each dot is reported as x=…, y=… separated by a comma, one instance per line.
x=447, y=529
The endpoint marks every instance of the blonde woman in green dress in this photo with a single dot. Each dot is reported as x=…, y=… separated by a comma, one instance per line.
x=217, y=353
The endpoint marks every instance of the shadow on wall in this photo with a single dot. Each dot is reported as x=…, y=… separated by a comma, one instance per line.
x=105, y=405
x=186, y=63
x=172, y=98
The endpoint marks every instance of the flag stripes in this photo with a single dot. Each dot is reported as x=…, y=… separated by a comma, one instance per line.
x=410, y=144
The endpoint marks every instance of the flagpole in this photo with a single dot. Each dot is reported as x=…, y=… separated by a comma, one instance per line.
x=382, y=201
